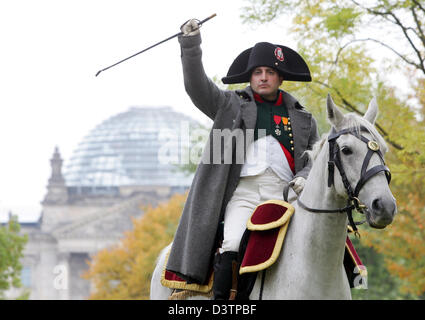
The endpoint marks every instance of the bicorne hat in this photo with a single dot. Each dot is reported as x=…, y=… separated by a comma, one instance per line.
x=264, y=54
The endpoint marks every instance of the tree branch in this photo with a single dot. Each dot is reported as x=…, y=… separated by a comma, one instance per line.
x=385, y=15
x=374, y=12
x=418, y=53
x=384, y=45
x=395, y=20
x=419, y=5
x=421, y=35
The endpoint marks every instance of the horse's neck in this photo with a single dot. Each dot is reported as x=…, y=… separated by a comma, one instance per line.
x=328, y=227
x=321, y=236
x=311, y=265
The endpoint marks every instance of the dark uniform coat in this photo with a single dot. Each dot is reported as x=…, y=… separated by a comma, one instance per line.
x=214, y=183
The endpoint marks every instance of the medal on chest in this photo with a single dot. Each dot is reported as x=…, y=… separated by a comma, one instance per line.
x=277, y=120
x=285, y=123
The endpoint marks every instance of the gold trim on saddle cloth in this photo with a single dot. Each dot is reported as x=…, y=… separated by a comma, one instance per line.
x=281, y=224
x=175, y=284
x=274, y=224
x=353, y=254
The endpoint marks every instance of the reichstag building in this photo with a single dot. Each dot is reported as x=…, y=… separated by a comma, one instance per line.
x=91, y=198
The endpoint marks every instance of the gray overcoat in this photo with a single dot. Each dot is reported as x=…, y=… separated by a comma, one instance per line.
x=214, y=183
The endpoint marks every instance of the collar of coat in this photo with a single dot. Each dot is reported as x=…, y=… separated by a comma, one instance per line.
x=277, y=102
x=248, y=95
x=249, y=107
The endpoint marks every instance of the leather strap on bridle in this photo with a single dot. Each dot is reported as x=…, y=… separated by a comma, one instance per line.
x=353, y=201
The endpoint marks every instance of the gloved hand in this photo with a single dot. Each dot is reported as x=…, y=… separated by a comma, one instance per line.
x=190, y=28
x=297, y=184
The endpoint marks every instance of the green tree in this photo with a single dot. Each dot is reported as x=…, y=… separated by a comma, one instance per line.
x=11, y=251
x=381, y=284
x=124, y=271
x=344, y=20
x=354, y=49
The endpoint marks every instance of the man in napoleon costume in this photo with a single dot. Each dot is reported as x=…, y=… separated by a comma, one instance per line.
x=230, y=192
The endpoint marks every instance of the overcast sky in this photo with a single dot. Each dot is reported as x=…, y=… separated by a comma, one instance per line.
x=50, y=53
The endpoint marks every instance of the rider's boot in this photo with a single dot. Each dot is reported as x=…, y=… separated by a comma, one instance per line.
x=223, y=274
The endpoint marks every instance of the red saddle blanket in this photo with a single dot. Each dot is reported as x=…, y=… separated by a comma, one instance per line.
x=268, y=225
x=267, y=229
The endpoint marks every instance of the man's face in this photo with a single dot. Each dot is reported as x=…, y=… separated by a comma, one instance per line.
x=266, y=81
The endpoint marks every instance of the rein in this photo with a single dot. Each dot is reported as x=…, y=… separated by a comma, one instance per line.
x=353, y=201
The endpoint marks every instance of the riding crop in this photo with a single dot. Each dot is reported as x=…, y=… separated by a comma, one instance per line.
x=154, y=45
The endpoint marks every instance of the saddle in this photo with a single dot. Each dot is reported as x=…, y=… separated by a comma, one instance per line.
x=263, y=238
x=262, y=242
x=260, y=247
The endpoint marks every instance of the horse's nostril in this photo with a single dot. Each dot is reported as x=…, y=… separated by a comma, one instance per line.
x=381, y=207
x=376, y=205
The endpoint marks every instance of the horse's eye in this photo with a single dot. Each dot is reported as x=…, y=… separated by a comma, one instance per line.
x=346, y=150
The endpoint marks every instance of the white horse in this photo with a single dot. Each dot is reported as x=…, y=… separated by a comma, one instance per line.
x=311, y=262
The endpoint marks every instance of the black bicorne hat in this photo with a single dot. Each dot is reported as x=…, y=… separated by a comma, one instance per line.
x=264, y=54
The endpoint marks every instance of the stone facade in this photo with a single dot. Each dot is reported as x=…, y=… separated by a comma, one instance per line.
x=71, y=230
x=113, y=171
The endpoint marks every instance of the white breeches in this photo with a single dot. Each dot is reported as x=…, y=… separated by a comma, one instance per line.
x=250, y=192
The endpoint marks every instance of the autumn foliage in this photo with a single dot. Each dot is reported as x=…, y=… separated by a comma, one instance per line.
x=123, y=272
x=357, y=49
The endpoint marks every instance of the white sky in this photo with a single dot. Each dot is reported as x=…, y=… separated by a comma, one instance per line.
x=50, y=53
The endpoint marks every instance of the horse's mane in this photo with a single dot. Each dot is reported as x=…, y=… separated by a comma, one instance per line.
x=351, y=120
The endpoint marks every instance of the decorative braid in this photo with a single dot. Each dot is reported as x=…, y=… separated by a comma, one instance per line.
x=185, y=294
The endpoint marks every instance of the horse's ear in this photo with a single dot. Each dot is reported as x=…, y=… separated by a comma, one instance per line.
x=335, y=116
x=372, y=111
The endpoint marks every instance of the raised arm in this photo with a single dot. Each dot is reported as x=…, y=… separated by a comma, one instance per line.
x=204, y=93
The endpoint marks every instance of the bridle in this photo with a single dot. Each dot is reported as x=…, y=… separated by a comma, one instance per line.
x=353, y=201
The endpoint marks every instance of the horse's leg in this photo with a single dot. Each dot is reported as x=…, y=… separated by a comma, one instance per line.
x=158, y=291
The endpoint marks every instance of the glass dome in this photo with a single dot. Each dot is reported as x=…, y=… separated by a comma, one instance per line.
x=131, y=149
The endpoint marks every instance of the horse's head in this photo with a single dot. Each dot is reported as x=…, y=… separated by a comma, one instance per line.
x=356, y=150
